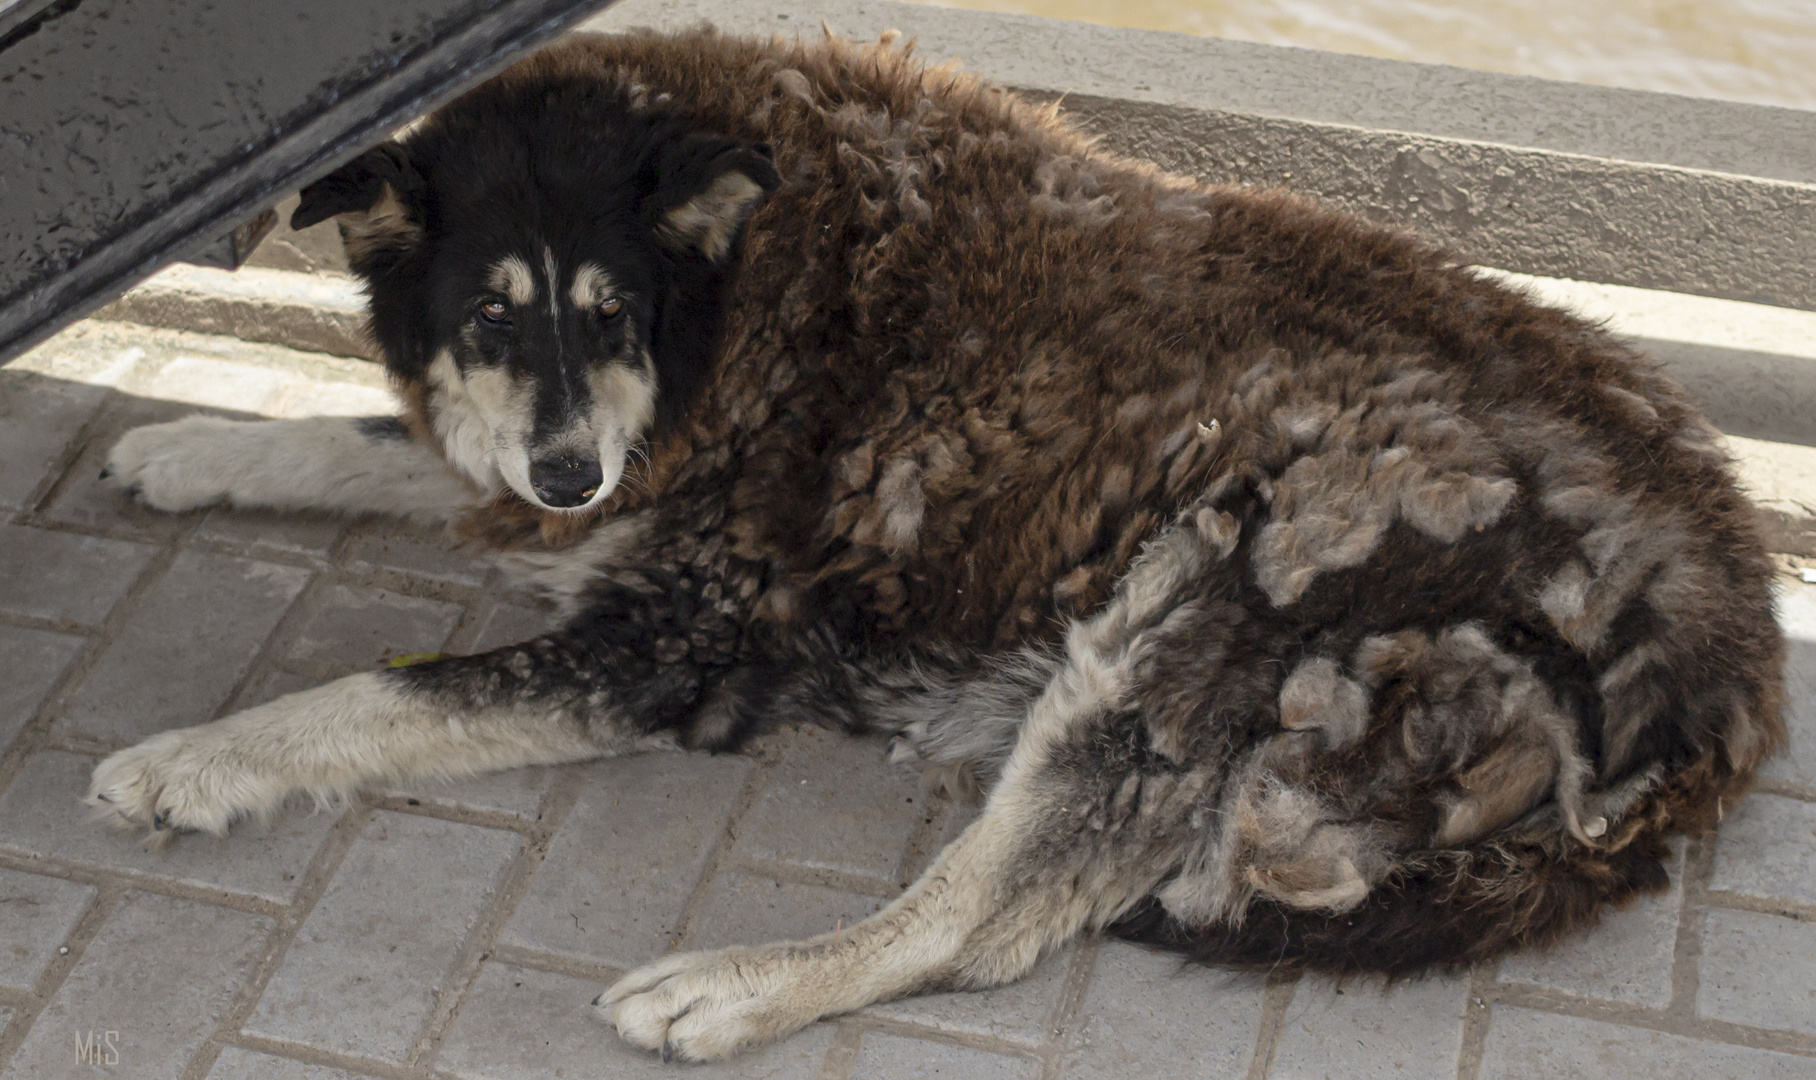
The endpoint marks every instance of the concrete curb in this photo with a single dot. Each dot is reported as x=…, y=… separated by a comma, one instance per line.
x=323, y=313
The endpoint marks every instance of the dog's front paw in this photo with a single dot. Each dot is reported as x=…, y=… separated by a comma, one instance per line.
x=176, y=780
x=183, y=465
x=708, y=1005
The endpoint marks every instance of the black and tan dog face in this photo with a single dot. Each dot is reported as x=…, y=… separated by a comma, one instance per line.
x=545, y=272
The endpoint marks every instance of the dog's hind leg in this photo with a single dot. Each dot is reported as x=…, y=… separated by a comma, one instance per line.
x=338, y=464
x=1077, y=830
x=539, y=703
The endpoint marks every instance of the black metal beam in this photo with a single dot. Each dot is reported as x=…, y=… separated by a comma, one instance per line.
x=133, y=134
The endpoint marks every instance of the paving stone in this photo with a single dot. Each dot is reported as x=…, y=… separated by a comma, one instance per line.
x=277, y=684
x=36, y=915
x=61, y=576
x=491, y=1039
x=306, y=397
x=1147, y=1014
x=159, y=973
x=883, y=1056
x=1796, y=764
x=1767, y=848
x=41, y=815
x=219, y=384
x=384, y=546
x=240, y=1064
x=1363, y=1031
x=835, y=804
x=207, y=619
x=746, y=910
x=1625, y=958
x=517, y=792
x=351, y=628
x=266, y=532
x=1524, y=1044
x=509, y=624
x=33, y=661
x=38, y=418
x=634, y=849
x=1758, y=970
x=371, y=959
x=1017, y=1012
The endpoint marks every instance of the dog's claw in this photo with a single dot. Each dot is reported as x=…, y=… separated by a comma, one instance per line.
x=668, y=1051
x=158, y=821
x=106, y=471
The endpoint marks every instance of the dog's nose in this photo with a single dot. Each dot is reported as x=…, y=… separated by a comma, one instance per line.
x=566, y=480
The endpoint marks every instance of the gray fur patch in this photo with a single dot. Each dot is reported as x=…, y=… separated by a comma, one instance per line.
x=1318, y=696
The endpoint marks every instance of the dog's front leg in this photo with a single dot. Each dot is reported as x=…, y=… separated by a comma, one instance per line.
x=538, y=703
x=339, y=464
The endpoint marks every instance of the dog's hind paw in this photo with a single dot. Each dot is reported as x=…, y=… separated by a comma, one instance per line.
x=182, y=465
x=175, y=780
x=707, y=1005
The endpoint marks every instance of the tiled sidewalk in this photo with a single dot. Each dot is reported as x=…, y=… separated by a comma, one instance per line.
x=460, y=931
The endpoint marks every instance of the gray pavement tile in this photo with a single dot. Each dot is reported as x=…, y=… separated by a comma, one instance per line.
x=84, y=500
x=1625, y=958
x=1796, y=764
x=41, y=815
x=219, y=384
x=33, y=661
x=349, y=628
x=159, y=974
x=522, y=1024
x=1758, y=970
x=36, y=914
x=1767, y=848
x=619, y=872
x=834, y=803
x=893, y=1057
x=1148, y=1014
x=1528, y=1045
x=509, y=624
x=745, y=910
x=1016, y=1013
x=236, y=1063
x=517, y=792
x=54, y=575
x=369, y=962
x=1363, y=1032
x=185, y=647
x=263, y=532
x=387, y=546
x=38, y=418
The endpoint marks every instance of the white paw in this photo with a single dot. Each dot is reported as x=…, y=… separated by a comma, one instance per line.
x=709, y=1005
x=177, y=780
x=183, y=465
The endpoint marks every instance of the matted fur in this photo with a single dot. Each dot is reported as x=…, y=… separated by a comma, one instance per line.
x=1295, y=597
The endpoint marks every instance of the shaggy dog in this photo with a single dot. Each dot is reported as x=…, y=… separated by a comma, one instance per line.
x=1296, y=597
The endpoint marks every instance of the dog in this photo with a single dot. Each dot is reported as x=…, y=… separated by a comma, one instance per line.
x=1294, y=597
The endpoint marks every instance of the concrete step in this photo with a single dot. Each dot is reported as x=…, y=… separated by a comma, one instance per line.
x=1751, y=367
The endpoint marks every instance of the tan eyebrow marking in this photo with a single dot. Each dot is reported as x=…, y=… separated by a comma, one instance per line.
x=591, y=286
x=511, y=276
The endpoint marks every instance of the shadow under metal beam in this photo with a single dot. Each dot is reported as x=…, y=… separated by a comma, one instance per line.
x=133, y=134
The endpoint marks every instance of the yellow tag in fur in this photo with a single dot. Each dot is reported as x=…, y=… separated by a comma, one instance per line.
x=410, y=658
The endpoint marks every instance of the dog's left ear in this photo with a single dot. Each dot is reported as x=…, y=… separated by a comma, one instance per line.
x=706, y=187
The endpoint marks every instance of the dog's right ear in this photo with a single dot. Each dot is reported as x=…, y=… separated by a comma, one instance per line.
x=377, y=197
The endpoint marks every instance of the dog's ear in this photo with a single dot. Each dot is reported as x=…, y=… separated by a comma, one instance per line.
x=377, y=197
x=705, y=188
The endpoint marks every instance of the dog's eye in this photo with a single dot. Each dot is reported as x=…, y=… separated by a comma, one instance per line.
x=495, y=311
x=610, y=307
